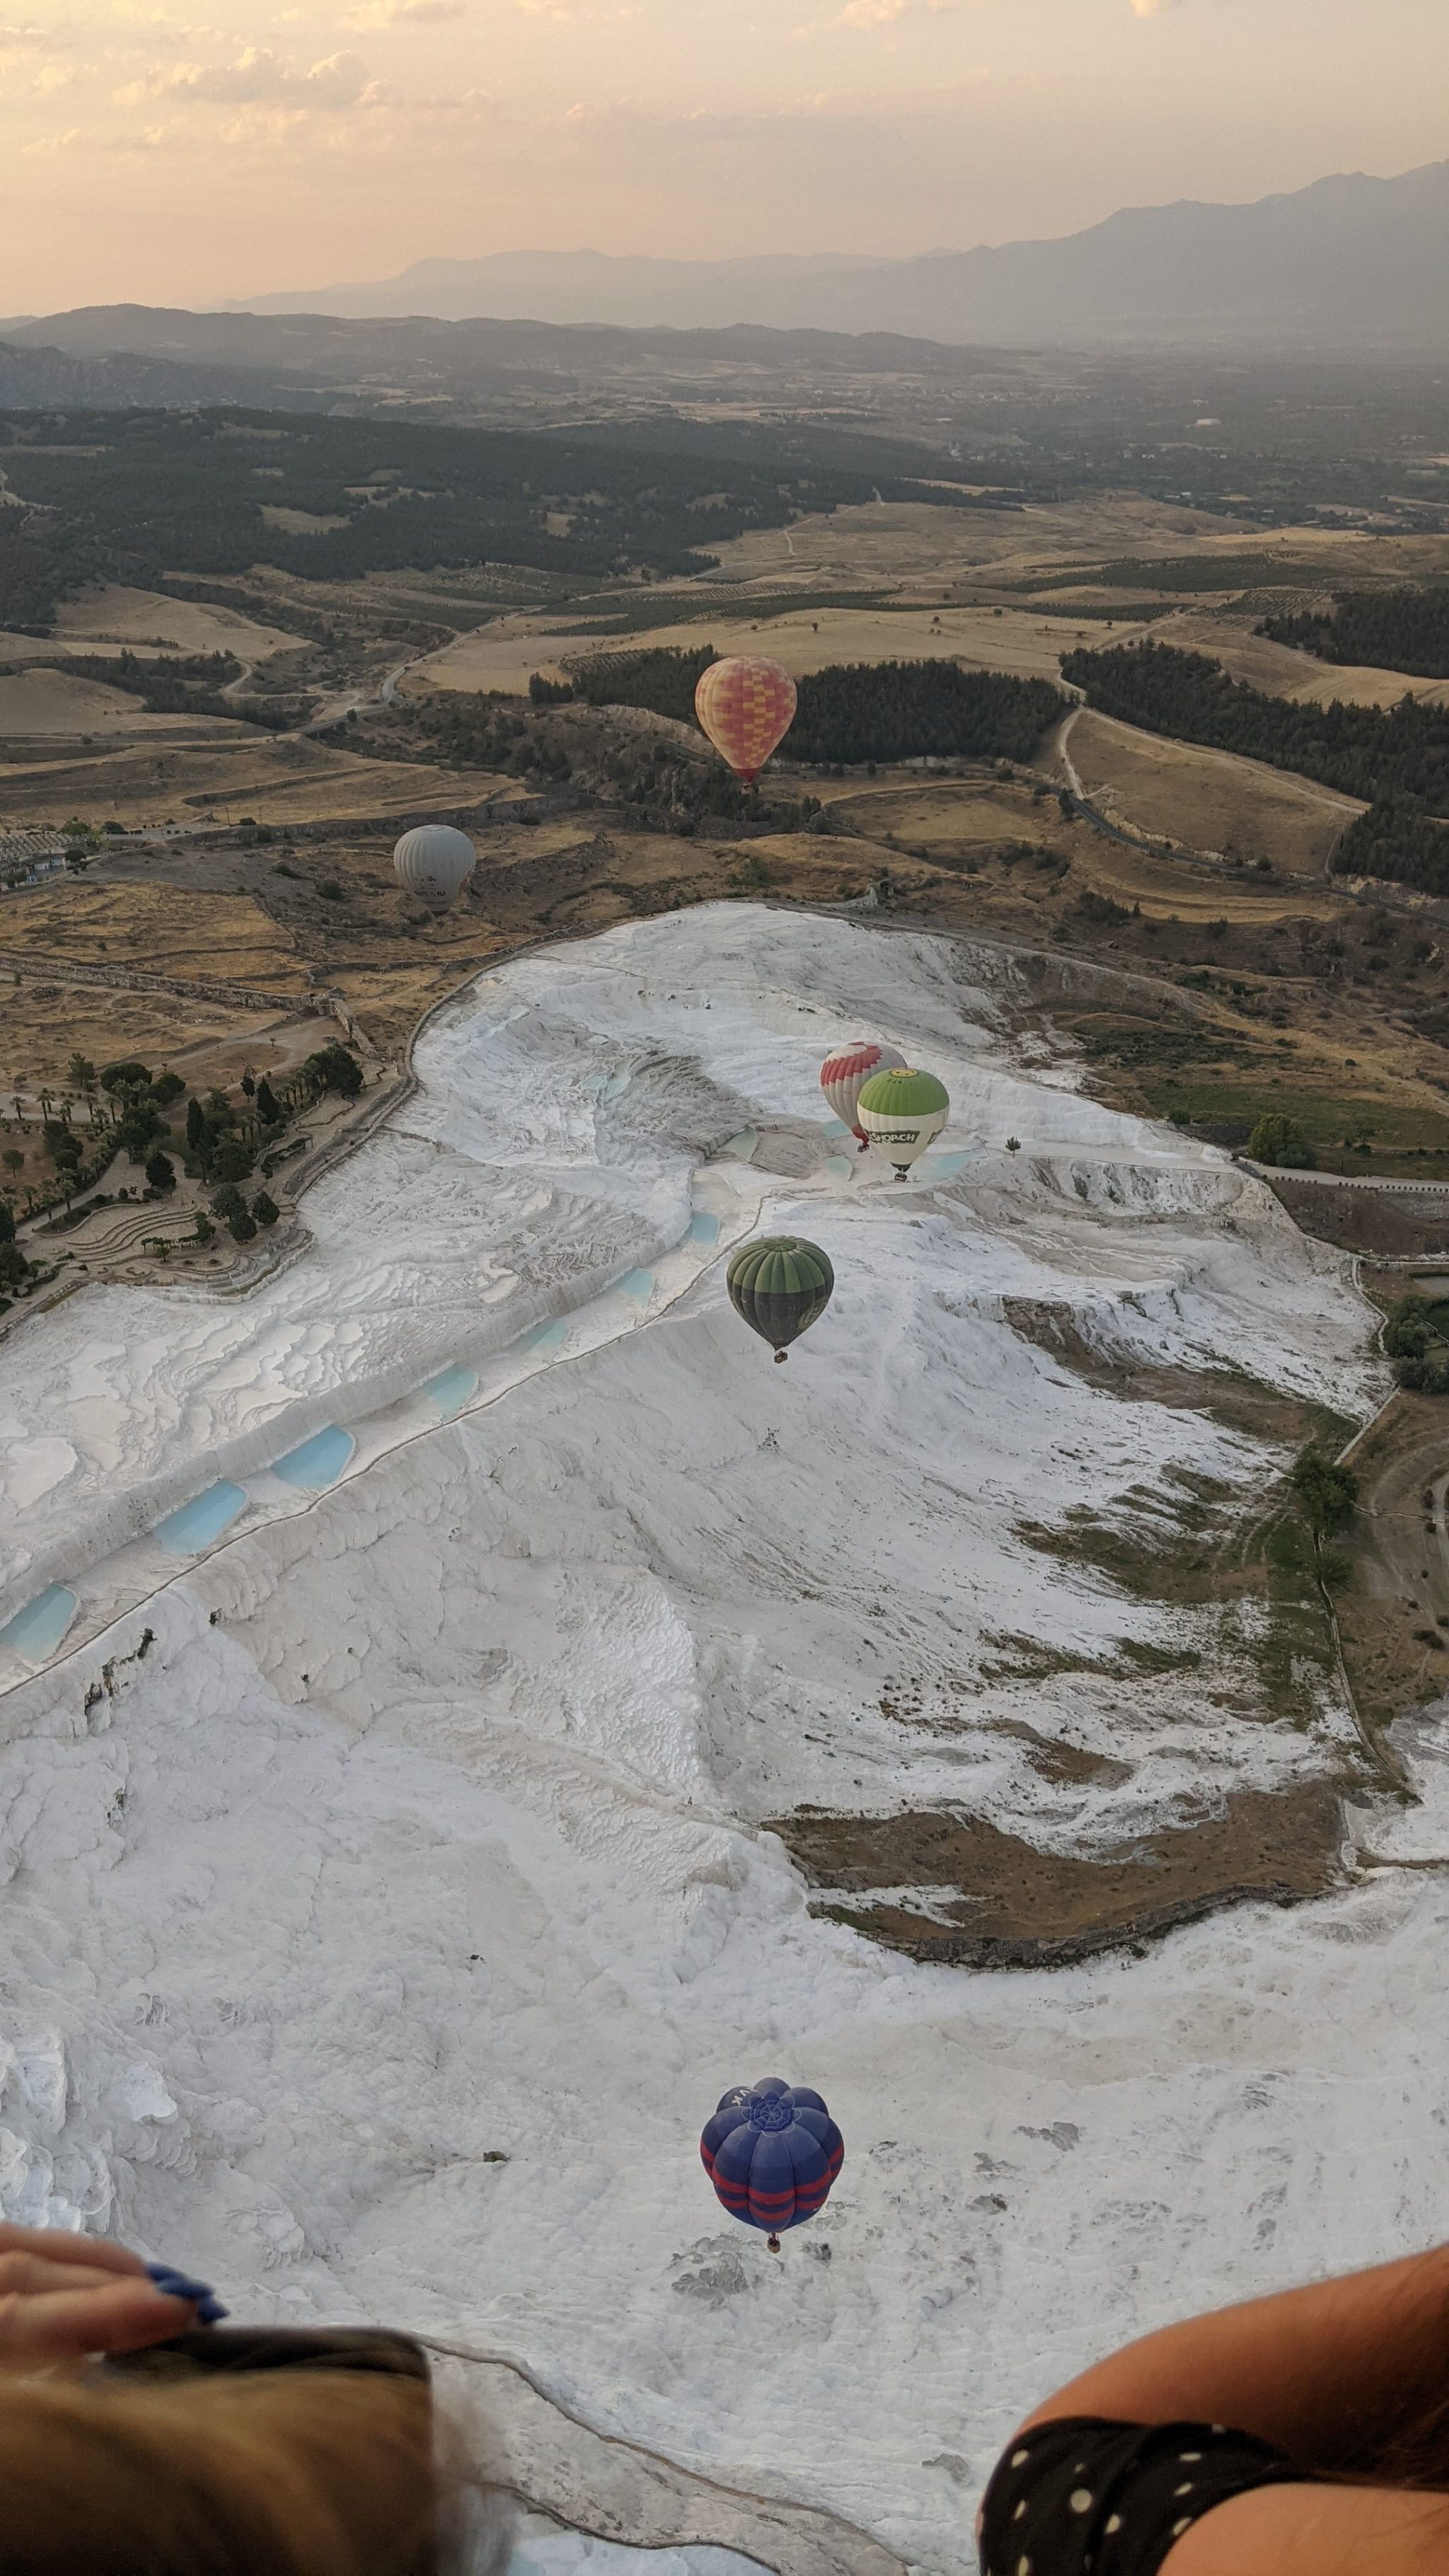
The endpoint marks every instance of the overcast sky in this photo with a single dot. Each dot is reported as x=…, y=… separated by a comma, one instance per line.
x=151, y=157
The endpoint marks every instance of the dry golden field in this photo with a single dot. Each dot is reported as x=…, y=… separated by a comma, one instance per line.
x=1208, y=800
x=276, y=779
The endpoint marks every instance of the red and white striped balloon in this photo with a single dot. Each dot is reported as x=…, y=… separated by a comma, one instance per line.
x=844, y=1075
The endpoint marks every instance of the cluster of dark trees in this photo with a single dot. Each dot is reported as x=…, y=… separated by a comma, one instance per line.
x=853, y=712
x=1417, y=1349
x=664, y=679
x=218, y=1141
x=485, y=731
x=1396, y=758
x=1394, y=630
x=862, y=711
x=136, y=494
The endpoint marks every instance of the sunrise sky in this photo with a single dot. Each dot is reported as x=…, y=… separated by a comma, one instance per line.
x=149, y=155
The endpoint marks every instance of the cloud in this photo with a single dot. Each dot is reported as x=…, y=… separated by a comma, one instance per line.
x=52, y=76
x=404, y=13
x=16, y=39
x=259, y=78
x=1149, y=8
x=883, y=13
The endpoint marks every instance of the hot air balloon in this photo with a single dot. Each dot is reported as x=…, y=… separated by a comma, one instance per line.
x=781, y=1285
x=746, y=706
x=903, y=1113
x=435, y=862
x=844, y=1075
x=772, y=2152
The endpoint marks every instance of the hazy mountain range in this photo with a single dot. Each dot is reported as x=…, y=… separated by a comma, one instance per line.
x=1348, y=262
x=1349, y=266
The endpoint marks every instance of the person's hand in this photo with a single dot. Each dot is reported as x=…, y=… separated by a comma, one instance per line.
x=63, y=2296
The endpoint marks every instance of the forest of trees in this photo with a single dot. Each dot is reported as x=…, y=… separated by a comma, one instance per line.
x=859, y=711
x=1391, y=630
x=852, y=711
x=663, y=680
x=131, y=496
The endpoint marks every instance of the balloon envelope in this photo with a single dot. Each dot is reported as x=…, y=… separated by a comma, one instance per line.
x=903, y=1113
x=780, y=1285
x=844, y=1075
x=435, y=862
x=746, y=706
x=772, y=2152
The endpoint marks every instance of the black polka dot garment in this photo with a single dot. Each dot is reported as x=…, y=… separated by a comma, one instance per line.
x=1081, y=2497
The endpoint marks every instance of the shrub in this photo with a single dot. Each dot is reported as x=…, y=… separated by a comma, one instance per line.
x=1278, y=1139
x=265, y=1208
x=1329, y=1494
x=13, y=1265
x=241, y=1225
x=160, y=1171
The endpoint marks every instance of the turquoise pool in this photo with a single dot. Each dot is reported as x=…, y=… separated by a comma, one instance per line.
x=450, y=1391
x=840, y=1167
x=197, y=1523
x=319, y=1461
x=545, y=1337
x=37, y=1630
x=941, y=1167
x=702, y=1229
x=743, y=1146
x=637, y=1283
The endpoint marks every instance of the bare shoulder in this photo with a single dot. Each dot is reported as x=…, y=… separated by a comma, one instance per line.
x=1317, y=2531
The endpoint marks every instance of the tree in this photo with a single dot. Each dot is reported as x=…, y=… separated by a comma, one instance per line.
x=13, y=1265
x=1328, y=1493
x=265, y=1208
x=14, y=1159
x=82, y=1072
x=160, y=1171
x=7, y=1223
x=195, y=1124
x=127, y=1075
x=1280, y=1140
x=268, y=1108
x=1013, y=1144
x=167, y=1087
x=204, y=1227
x=241, y=1225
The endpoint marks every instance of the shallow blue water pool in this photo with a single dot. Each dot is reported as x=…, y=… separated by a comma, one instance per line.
x=702, y=1229
x=37, y=1630
x=197, y=1523
x=941, y=1167
x=319, y=1461
x=637, y=1283
x=546, y=1336
x=450, y=1391
x=742, y=1146
x=840, y=1167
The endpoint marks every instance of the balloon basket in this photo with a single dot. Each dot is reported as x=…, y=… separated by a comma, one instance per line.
x=772, y=2243
x=780, y=1358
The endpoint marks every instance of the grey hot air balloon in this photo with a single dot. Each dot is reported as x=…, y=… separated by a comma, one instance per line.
x=435, y=862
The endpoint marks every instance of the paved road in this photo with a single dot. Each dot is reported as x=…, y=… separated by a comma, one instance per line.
x=1347, y=1180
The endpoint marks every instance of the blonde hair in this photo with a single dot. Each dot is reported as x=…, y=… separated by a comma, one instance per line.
x=268, y=2473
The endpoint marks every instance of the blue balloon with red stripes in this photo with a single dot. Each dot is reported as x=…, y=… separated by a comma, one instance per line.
x=772, y=2152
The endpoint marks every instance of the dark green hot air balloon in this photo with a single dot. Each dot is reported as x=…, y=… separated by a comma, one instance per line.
x=781, y=1285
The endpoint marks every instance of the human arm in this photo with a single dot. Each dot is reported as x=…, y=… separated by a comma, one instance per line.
x=1331, y=2373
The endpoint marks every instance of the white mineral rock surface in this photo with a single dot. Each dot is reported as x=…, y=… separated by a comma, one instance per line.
x=378, y=1941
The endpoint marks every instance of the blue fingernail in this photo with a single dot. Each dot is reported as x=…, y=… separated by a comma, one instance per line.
x=178, y=2285
x=211, y=2312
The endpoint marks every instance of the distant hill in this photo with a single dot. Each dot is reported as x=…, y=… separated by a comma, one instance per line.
x=112, y=356
x=1349, y=263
